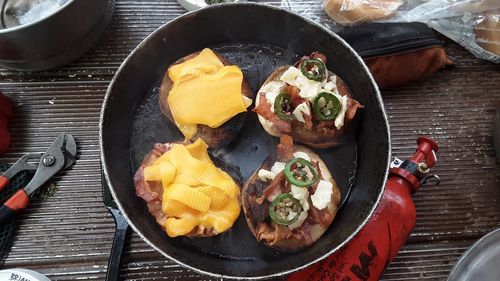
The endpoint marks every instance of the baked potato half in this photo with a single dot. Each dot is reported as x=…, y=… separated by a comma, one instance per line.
x=214, y=137
x=316, y=113
x=313, y=207
x=152, y=192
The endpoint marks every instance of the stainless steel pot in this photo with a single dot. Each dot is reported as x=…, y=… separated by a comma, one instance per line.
x=56, y=39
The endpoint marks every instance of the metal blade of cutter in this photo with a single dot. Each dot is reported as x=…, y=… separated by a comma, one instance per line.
x=69, y=150
x=60, y=155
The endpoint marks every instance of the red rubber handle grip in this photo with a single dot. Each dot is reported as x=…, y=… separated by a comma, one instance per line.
x=18, y=201
x=3, y=182
x=6, y=108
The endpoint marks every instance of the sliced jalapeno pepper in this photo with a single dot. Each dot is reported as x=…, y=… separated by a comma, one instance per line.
x=326, y=106
x=301, y=172
x=283, y=107
x=313, y=69
x=285, y=209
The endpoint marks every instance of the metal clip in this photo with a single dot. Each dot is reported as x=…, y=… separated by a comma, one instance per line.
x=423, y=168
x=430, y=179
x=396, y=163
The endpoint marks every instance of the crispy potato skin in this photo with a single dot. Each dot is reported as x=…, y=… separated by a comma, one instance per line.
x=214, y=137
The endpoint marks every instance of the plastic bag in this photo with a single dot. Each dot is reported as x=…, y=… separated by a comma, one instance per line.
x=474, y=24
x=478, y=33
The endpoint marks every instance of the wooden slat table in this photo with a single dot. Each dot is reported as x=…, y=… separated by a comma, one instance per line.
x=68, y=237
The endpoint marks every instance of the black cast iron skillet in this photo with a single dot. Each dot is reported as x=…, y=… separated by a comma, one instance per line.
x=258, y=38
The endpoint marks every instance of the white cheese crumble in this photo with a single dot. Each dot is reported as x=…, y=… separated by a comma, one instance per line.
x=300, y=110
x=305, y=206
x=278, y=167
x=331, y=85
x=339, y=120
x=309, y=89
x=302, y=155
x=323, y=194
x=272, y=90
x=299, y=193
x=265, y=175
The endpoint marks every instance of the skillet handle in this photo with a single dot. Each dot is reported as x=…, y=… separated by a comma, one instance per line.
x=122, y=227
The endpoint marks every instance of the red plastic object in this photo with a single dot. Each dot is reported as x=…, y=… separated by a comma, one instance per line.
x=18, y=201
x=6, y=108
x=365, y=257
x=4, y=181
x=4, y=140
x=3, y=121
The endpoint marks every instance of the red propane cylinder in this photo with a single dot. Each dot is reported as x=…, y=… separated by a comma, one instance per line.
x=6, y=110
x=377, y=244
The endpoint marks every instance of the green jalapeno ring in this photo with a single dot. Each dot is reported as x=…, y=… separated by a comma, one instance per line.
x=298, y=176
x=282, y=206
x=282, y=106
x=318, y=76
x=329, y=110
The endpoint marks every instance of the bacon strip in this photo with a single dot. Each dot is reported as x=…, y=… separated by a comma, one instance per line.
x=284, y=150
x=323, y=217
x=304, y=233
x=308, y=125
x=294, y=94
x=151, y=192
x=272, y=233
x=275, y=187
x=264, y=110
x=318, y=55
x=312, y=189
x=352, y=107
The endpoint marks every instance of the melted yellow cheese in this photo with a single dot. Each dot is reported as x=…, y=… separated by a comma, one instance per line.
x=152, y=173
x=205, y=92
x=191, y=197
x=204, y=172
x=198, y=150
x=205, y=62
x=195, y=192
x=186, y=180
x=217, y=197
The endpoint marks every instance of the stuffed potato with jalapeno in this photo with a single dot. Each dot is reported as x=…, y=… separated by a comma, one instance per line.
x=308, y=102
x=291, y=200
